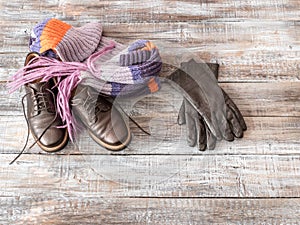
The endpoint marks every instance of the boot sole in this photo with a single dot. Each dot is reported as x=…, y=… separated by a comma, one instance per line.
x=112, y=147
x=55, y=148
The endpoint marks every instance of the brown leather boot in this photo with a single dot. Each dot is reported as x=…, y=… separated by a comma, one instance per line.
x=103, y=121
x=42, y=116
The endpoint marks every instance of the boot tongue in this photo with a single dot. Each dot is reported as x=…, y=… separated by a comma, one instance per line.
x=39, y=87
x=85, y=94
x=80, y=94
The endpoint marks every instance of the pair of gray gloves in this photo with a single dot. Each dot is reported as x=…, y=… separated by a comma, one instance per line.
x=207, y=110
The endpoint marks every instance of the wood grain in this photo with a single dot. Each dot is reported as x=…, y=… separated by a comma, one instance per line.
x=265, y=135
x=158, y=179
x=155, y=11
x=37, y=210
x=186, y=176
x=278, y=99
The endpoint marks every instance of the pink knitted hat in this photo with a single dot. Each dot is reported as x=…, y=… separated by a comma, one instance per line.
x=69, y=43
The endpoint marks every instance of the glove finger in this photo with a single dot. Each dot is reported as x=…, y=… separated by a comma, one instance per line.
x=217, y=131
x=228, y=136
x=235, y=110
x=224, y=127
x=236, y=127
x=181, y=114
x=200, y=127
x=211, y=139
x=191, y=130
x=238, y=114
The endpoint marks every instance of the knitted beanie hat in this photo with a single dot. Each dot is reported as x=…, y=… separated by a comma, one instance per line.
x=69, y=43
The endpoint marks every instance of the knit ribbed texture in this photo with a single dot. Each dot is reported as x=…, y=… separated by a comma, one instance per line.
x=79, y=43
x=134, y=57
x=69, y=43
x=53, y=33
x=35, y=40
x=108, y=67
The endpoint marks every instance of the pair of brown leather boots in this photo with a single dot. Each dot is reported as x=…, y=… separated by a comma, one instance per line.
x=97, y=113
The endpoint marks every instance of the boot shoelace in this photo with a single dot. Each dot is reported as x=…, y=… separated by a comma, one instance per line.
x=132, y=120
x=43, y=104
x=93, y=107
x=40, y=104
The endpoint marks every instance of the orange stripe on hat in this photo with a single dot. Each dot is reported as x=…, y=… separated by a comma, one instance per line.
x=152, y=85
x=149, y=46
x=52, y=34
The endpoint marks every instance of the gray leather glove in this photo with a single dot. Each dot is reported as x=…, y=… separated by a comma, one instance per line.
x=207, y=110
x=197, y=132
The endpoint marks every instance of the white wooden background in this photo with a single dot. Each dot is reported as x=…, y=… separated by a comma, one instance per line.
x=159, y=180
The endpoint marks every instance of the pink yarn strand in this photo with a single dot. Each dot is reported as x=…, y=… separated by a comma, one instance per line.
x=91, y=60
x=65, y=89
x=43, y=69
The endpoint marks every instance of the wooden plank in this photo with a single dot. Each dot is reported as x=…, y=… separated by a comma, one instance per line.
x=246, y=50
x=265, y=99
x=278, y=99
x=67, y=210
x=265, y=135
x=11, y=104
x=155, y=11
x=218, y=176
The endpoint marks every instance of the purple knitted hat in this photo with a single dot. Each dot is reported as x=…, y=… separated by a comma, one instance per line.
x=69, y=43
